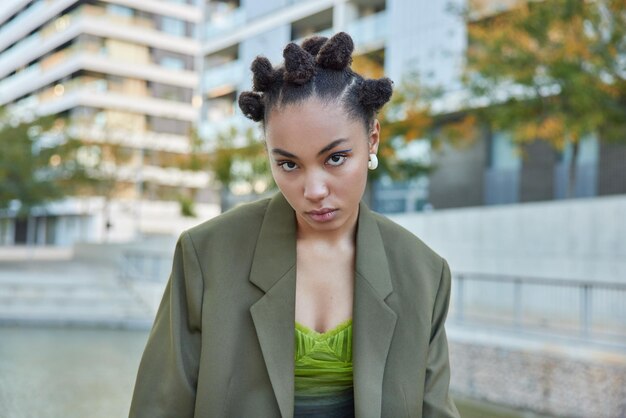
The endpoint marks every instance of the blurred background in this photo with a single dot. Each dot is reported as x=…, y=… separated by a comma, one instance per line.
x=504, y=149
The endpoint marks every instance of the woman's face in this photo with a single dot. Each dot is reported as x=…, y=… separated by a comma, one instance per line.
x=319, y=162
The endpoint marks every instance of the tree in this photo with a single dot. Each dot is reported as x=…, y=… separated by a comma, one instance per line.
x=239, y=160
x=405, y=119
x=104, y=159
x=551, y=71
x=37, y=163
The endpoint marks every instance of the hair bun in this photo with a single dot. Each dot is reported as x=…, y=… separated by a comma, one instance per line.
x=373, y=94
x=299, y=64
x=313, y=44
x=336, y=53
x=251, y=104
x=263, y=74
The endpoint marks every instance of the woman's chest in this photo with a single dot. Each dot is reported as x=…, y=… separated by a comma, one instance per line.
x=324, y=288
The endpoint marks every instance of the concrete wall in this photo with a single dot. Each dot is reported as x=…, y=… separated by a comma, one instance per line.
x=457, y=180
x=574, y=239
x=547, y=382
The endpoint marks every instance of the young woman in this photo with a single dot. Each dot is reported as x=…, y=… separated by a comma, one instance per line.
x=306, y=304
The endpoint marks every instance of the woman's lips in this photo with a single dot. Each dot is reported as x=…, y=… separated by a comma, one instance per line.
x=322, y=215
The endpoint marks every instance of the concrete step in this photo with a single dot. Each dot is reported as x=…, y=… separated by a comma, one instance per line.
x=73, y=293
x=78, y=292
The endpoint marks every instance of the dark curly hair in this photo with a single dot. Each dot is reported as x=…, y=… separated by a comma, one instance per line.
x=320, y=67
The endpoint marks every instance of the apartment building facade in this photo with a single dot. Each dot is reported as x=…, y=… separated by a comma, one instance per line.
x=418, y=37
x=123, y=74
x=142, y=74
x=493, y=170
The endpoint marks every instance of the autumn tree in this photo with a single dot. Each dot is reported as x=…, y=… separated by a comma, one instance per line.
x=238, y=158
x=37, y=162
x=406, y=118
x=549, y=70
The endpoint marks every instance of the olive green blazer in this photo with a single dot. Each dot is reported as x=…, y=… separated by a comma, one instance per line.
x=222, y=344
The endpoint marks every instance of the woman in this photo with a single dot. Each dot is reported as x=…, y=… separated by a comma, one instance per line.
x=305, y=304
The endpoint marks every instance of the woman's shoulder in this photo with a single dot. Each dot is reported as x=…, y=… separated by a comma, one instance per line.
x=402, y=240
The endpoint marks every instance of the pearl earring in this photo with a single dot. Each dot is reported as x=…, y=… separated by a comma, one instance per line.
x=373, y=162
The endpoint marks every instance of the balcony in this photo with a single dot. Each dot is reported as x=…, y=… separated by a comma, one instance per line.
x=90, y=10
x=67, y=61
x=224, y=22
x=369, y=32
x=326, y=32
x=8, y=31
x=89, y=20
x=229, y=74
x=100, y=94
x=210, y=130
x=91, y=131
x=9, y=84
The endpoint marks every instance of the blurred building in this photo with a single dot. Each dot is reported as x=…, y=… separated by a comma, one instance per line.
x=396, y=35
x=494, y=171
x=426, y=39
x=143, y=75
x=123, y=73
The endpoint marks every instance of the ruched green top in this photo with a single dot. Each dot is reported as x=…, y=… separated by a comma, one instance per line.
x=323, y=371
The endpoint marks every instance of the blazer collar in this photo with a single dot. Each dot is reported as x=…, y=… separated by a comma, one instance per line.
x=274, y=272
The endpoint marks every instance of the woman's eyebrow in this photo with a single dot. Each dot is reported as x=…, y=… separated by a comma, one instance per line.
x=322, y=151
x=332, y=145
x=283, y=153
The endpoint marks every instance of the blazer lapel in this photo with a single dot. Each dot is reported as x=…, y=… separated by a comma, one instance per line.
x=373, y=320
x=274, y=272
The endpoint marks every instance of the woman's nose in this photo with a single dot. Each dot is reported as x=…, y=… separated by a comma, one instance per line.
x=315, y=187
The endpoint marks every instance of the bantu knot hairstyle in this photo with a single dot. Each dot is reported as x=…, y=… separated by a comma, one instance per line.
x=299, y=64
x=263, y=74
x=313, y=44
x=373, y=94
x=251, y=104
x=320, y=67
x=336, y=53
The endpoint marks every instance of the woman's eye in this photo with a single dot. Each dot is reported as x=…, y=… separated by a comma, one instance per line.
x=287, y=165
x=337, y=159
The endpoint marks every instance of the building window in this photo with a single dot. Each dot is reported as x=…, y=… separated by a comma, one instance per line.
x=586, y=167
x=173, y=26
x=172, y=63
x=502, y=177
x=118, y=10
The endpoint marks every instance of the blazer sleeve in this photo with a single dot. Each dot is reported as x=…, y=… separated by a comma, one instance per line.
x=168, y=372
x=437, y=400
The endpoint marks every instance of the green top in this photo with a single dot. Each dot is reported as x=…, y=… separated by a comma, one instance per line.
x=323, y=361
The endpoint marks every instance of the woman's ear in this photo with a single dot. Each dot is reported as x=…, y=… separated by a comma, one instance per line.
x=374, y=137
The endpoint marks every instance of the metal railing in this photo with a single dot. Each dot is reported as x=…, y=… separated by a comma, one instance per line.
x=583, y=309
x=145, y=265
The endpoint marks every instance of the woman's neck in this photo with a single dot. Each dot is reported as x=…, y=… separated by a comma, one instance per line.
x=345, y=234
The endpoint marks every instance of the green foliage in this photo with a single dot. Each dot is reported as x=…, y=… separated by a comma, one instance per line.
x=37, y=162
x=187, y=207
x=240, y=158
x=551, y=70
x=405, y=119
